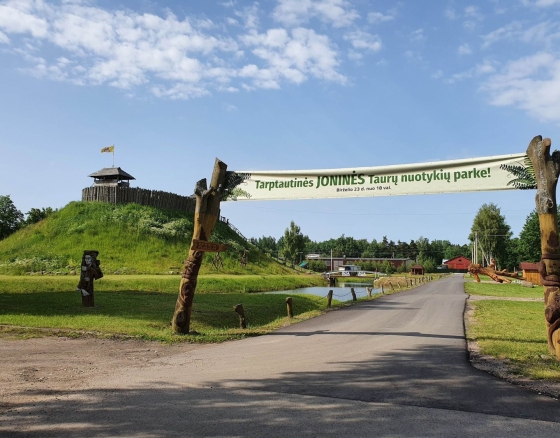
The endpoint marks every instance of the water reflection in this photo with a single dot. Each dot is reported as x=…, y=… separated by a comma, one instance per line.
x=341, y=291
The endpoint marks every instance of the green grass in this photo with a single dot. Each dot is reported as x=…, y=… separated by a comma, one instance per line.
x=513, y=331
x=131, y=239
x=511, y=290
x=142, y=307
x=160, y=283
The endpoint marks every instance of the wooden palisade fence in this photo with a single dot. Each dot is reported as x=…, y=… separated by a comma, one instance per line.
x=125, y=195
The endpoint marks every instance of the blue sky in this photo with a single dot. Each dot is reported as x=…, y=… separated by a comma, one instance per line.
x=276, y=85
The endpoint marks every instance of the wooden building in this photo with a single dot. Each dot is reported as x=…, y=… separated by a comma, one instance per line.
x=457, y=264
x=417, y=270
x=531, y=272
x=341, y=261
x=111, y=177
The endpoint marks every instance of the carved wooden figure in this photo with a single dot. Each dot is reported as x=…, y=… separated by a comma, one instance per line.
x=207, y=212
x=547, y=169
x=243, y=259
x=89, y=272
x=217, y=261
x=499, y=276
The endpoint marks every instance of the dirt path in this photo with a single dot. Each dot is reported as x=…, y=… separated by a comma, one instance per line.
x=34, y=368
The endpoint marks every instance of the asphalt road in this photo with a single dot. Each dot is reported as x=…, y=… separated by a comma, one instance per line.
x=396, y=366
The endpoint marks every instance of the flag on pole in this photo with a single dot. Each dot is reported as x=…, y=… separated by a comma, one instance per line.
x=108, y=149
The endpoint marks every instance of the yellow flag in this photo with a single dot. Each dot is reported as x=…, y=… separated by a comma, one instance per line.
x=108, y=149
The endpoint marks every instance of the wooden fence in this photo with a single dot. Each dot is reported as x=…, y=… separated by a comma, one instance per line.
x=153, y=198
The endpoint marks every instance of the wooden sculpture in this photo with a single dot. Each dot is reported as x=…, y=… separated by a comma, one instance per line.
x=499, y=276
x=207, y=212
x=546, y=169
x=243, y=259
x=89, y=272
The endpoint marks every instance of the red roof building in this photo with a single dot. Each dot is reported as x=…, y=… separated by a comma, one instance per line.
x=458, y=264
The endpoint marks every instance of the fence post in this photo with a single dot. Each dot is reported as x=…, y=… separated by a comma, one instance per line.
x=329, y=299
x=239, y=310
x=353, y=294
x=382, y=291
x=289, y=307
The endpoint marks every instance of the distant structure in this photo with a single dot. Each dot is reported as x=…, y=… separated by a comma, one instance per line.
x=457, y=264
x=417, y=270
x=112, y=185
x=111, y=177
x=531, y=272
x=333, y=263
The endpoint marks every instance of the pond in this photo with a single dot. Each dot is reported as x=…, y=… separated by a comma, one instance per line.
x=341, y=291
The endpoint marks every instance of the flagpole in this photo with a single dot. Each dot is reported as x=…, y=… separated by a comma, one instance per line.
x=113, y=155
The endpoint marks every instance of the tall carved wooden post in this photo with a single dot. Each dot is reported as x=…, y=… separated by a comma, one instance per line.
x=547, y=169
x=207, y=212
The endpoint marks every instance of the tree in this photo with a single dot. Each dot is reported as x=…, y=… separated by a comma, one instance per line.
x=267, y=245
x=529, y=244
x=451, y=250
x=294, y=243
x=35, y=215
x=492, y=232
x=10, y=217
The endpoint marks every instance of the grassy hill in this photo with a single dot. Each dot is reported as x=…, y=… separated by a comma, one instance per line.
x=130, y=238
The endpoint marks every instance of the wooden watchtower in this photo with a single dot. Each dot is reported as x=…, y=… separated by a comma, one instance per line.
x=111, y=177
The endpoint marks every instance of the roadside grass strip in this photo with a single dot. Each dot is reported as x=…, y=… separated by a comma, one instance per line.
x=512, y=331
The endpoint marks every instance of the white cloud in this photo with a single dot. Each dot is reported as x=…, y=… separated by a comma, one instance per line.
x=414, y=56
x=417, y=36
x=17, y=17
x=509, y=32
x=364, y=41
x=450, y=13
x=531, y=83
x=229, y=107
x=482, y=69
x=292, y=57
x=464, y=49
x=339, y=13
x=473, y=11
x=250, y=16
x=355, y=56
x=437, y=74
x=473, y=17
x=173, y=58
x=378, y=17
x=4, y=38
x=540, y=3
x=543, y=35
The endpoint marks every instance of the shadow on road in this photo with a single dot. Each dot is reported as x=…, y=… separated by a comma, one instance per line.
x=258, y=407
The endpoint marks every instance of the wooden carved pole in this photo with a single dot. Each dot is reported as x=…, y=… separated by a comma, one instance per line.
x=207, y=212
x=547, y=169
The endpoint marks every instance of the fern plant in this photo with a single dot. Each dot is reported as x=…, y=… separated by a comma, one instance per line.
x=524, y=175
